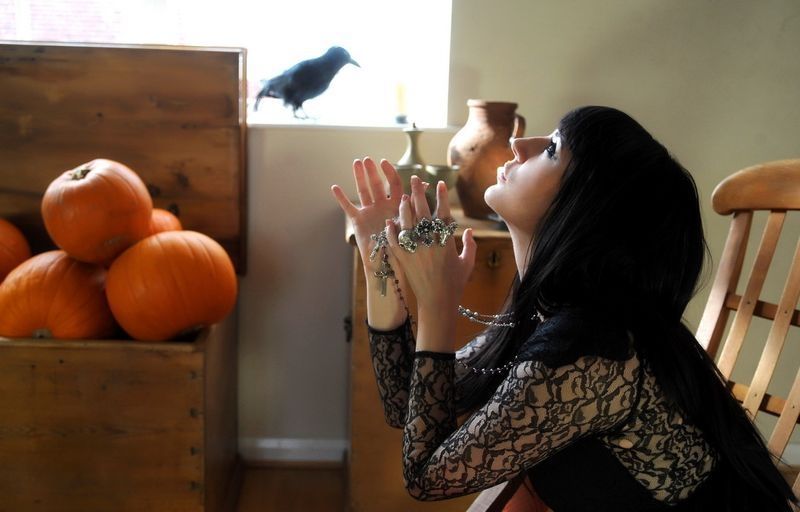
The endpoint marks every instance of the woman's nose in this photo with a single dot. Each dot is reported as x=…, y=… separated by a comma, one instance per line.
x=525, y=147
x=517, y=147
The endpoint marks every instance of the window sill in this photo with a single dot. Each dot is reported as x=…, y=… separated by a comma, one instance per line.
x=311, y=125
x=273, y=115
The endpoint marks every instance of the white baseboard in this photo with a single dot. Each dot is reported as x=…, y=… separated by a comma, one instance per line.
x=269, y=449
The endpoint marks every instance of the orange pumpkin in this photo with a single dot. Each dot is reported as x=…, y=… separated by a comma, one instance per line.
x=14, y=248
x=97, y=210
x=164, y=220
x=54, y=296
x=171, y=283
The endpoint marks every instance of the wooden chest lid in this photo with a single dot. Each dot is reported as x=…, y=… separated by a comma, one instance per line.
x=175, y=115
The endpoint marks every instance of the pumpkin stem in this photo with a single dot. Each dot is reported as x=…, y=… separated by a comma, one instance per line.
x=44, y=332
x=81, y=173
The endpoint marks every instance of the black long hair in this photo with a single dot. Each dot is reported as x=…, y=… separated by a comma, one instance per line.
x=623, y=238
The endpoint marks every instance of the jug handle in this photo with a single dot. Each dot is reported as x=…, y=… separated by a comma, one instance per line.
x=519, y=126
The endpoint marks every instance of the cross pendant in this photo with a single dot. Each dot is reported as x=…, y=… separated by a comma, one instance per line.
x=383, y=273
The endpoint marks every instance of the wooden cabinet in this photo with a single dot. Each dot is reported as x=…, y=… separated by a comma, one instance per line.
x=374, y=464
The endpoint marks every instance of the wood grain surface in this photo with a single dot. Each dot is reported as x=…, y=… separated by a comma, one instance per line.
x=92, y=428
x=99, y=425
x=283, y=489
x=175, y=115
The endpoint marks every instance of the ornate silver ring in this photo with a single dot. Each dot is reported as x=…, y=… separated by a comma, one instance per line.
x=444, y=228
x=406, y=240
x=423, y=232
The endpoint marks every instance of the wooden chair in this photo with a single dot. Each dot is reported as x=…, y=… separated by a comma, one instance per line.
x=774, y=187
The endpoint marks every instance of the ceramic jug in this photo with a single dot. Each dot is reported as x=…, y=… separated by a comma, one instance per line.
x=480, y=147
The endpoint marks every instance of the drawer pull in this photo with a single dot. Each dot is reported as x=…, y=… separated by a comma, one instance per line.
x=494, y=259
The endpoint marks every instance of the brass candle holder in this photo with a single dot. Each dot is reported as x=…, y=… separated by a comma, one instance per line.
x=411, y=164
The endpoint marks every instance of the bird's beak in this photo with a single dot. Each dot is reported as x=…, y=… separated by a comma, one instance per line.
x=353, y=62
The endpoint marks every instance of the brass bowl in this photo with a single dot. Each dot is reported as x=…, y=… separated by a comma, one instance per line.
x=428, y=173
x=434, y=174
x=446, y=173
x=407, y=171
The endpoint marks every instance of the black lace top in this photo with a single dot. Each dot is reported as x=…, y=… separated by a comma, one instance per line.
x=577, y=402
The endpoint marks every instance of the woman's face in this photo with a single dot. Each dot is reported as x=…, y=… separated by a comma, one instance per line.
x=527, y=185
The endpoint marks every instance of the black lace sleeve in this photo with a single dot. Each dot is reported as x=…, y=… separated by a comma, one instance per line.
x=392, y=354
x=536, y=410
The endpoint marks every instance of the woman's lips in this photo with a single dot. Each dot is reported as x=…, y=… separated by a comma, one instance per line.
x=503, y=171
x=501, y=175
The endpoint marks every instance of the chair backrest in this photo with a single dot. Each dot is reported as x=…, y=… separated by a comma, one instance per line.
x=773, y=187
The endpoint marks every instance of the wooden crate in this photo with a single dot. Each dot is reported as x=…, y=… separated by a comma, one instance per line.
x=106, y=425
x=119, y=425
x=175, y=115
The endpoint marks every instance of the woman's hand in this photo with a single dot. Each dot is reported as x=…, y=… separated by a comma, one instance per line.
x=437, y=275
x=376, y=205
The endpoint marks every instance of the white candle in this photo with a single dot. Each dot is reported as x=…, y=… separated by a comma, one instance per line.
x=401, y=99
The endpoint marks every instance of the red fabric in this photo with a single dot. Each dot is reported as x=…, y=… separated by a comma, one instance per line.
x=525, y=500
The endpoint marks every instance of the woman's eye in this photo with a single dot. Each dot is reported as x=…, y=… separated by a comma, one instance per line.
x=551, y=149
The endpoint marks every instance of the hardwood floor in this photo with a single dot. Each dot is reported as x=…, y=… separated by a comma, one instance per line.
x=292, y=489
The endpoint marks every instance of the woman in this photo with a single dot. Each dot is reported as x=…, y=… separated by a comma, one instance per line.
x=589, y=381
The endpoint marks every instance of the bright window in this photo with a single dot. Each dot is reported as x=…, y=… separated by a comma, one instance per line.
x=403, y=47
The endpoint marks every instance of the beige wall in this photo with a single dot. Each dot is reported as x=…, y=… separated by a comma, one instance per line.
x=293, y=353
x=716, y=82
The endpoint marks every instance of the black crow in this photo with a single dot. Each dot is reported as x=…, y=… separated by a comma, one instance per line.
x=305, y=80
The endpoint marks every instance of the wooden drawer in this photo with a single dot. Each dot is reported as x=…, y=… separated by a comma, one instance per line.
x=374, y=464
x=120, y=425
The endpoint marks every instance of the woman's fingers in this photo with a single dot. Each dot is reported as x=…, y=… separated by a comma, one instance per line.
x=470, y=248
x=374, y=180
x=349, y=208
x=442, y=201
x=391, y=233
x=362, y=188
x=418, y=198
x=406, y=214
x=393, y=178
